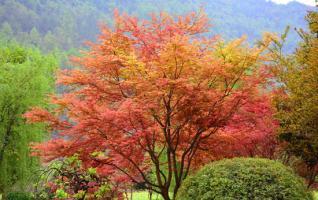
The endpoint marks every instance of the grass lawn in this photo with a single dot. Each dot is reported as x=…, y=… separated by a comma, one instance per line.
x=142, y=195
x=316, y=195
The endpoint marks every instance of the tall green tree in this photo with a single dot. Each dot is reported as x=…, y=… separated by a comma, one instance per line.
x=26, y=77
x=297, y=102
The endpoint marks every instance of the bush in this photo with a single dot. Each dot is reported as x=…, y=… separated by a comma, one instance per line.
x=19, y=196
x=244, y=178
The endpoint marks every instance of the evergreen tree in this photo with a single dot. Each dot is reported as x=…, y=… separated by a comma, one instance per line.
x=34, y=37
x=6, y=32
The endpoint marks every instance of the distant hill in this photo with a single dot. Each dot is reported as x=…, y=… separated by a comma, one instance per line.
x=66, y=24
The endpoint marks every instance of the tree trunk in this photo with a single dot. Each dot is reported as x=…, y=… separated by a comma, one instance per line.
x=176, y=190
x=312, y=176
x=165, y=194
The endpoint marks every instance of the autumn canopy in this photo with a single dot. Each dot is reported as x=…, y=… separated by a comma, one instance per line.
x=159, y=97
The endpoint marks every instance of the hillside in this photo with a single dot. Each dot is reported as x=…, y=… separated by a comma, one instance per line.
x=66, y=24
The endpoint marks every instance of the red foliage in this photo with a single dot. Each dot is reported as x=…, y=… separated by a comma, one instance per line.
x=152, y=89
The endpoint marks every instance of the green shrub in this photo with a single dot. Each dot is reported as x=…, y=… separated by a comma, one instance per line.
x=244, y=179
x=19, y=196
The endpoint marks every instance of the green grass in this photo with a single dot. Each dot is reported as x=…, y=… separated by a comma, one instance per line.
x=143, y=195
x=315, y=195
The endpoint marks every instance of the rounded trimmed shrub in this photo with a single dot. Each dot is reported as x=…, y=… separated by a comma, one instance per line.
x=244, y=179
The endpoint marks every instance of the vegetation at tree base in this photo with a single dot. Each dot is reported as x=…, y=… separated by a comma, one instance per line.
x=244, y=178
x=66, y=24
x=26, y=77
x=68, y=178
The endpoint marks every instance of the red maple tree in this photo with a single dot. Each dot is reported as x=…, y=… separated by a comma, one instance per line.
x=151, y=96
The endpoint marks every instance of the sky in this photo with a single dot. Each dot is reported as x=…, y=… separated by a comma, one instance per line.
x=308, y=2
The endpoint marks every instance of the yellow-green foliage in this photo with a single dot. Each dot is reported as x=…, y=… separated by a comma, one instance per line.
x=297, y=106
x=26, y=77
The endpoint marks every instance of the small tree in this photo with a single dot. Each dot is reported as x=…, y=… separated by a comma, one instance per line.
x=149, y=96
x=297, y=100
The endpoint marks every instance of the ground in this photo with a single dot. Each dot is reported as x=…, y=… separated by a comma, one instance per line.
x=142, y=195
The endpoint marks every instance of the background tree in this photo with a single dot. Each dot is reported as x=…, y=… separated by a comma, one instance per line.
x=26, y=77
x=147, y=90
x=297, y=97
x=6, y=32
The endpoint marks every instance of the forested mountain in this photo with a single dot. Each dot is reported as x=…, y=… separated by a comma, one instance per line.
x=66, y=24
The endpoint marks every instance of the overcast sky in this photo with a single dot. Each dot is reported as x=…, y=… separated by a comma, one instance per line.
x=308, y=2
